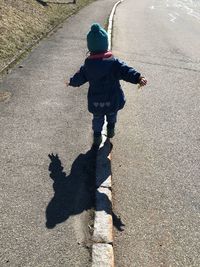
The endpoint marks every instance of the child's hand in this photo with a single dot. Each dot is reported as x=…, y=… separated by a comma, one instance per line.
x=142, y=81
x=67, y=83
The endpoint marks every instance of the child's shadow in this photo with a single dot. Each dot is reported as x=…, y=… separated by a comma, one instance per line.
x=73, y=193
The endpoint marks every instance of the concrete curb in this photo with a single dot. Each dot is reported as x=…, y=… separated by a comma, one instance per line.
x=102, y=250
x=102, y=255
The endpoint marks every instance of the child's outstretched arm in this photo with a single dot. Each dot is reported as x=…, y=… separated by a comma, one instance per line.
x=129, y=74
x=78, y=79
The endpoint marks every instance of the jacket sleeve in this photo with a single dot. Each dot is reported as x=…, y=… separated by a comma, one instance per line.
x=79, y=78
x=127, y=73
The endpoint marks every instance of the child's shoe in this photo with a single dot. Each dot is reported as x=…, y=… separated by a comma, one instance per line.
x=110, y=130
x=97, y=139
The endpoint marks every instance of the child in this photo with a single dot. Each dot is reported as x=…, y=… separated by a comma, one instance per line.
x=103, y=72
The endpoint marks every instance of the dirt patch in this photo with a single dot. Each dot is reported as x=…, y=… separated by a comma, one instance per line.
x=23, y=22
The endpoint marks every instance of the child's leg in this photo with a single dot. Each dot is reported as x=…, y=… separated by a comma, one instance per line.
x=97, y=125
x=111, y=119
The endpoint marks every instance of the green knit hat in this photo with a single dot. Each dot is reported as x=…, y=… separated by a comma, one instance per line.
x=97, y=39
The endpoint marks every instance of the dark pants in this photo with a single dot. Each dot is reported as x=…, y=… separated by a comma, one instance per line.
x=98, y=121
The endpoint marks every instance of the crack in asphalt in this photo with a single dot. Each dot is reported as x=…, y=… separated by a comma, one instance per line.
x=166, y=65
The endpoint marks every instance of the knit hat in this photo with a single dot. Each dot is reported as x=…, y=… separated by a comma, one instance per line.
x=97, y=39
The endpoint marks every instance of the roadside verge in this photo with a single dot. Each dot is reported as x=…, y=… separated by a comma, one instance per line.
x=24, y=23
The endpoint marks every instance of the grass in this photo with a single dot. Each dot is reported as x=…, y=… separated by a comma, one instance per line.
x=23, y=22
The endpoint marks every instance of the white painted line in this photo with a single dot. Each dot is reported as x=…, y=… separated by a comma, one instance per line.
x=173, y=18
x=195, y=16
x=190, y=10
x=192, y=13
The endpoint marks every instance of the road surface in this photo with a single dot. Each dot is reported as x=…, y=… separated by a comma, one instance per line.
x=156, y=151
x=46, y=201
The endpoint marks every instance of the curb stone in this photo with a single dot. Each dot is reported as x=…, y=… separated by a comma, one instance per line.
x=102, y=255
x=103, y=224
x=102, y=249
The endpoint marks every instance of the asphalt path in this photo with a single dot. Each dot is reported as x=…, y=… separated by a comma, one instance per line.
x=156, y=151
x=47, y=168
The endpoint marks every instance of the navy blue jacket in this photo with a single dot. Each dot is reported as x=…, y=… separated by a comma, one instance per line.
x=103, y=72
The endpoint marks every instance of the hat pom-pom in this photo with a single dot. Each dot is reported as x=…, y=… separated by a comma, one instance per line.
x=95, y=27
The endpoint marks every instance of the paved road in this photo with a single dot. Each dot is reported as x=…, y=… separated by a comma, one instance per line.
x=46, y=201
x=156, y=153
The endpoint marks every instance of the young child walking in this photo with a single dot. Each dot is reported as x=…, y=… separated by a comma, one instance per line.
x=103, y=72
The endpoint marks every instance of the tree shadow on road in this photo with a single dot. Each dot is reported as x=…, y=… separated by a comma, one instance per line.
x=73, y=193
